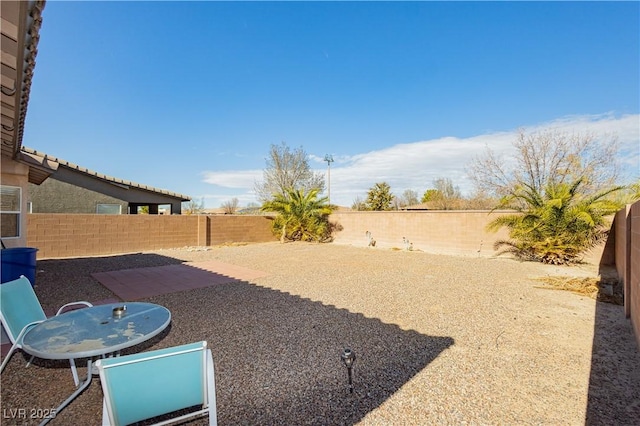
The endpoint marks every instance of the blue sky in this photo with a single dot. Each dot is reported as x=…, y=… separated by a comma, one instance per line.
x=189, y=96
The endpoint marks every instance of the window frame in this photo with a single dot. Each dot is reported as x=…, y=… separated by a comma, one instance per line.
x=18, y=213
x=108, y=204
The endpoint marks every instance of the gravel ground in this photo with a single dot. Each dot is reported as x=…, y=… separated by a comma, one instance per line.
x=438, y=340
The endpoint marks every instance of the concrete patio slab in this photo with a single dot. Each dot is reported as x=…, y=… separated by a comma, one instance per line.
x=141, y=283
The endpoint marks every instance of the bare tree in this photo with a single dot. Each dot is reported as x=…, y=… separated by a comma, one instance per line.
x=230, y=206
x=193, y=207
x=287, y=169
x=479, y=201
x=444, y=196
x=408, y=198
x=549, y=156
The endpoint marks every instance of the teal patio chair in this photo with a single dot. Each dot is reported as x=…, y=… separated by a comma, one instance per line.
x=20, y=310
x=150, y=384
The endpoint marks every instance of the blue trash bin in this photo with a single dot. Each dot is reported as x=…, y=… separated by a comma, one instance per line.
x=18, y=261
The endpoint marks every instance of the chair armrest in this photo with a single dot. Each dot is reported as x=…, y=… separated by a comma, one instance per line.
x=25, y=329
x=82, y=302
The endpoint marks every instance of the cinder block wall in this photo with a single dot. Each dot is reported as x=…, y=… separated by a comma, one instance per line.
x=239, y=228
x=447, y=232
x=634, y=273
x=77, y=235
x=622, y=238
x=456, y=232
x=74, y=235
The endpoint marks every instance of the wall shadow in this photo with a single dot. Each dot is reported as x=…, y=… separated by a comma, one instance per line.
x=278, y=359
x=277, y=355
x=106, y=263
x=614, y=380
x=59, y=281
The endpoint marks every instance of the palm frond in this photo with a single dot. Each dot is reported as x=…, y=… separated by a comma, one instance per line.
x=557, y=226
x=302, y=215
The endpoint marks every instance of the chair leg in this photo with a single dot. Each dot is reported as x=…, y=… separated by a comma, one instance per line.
x=105, y=413
x=30, y=360
x=211, y=390
x=74, y=372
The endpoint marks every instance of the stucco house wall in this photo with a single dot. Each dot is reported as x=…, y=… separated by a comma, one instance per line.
x=17, y=174
x=54, y=196
x=75, y=189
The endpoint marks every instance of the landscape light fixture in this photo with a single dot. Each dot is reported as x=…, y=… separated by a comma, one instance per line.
x=329, y=159
x=349, y=357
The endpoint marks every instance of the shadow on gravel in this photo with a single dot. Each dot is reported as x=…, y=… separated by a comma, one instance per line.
x=614, y=381
x=277, y=355
x=59, y=281
x=64, y=267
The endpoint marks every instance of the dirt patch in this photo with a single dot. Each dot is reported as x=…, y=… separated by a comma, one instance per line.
x=606, y=290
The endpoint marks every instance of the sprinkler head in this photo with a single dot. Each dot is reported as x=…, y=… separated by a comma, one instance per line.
x=348, y=357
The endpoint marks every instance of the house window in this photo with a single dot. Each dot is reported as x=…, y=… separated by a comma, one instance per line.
x=10, y=202
x=108, y=209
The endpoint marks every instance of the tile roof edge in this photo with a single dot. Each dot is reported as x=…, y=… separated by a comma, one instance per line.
x=103, y=176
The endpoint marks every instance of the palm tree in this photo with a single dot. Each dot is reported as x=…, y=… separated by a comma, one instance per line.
x=557, y=226
x=302, y=216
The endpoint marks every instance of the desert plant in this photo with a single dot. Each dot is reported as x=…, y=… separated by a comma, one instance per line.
x=556, y=226
x=630, y=194
x=379, y=197
x=302, y=216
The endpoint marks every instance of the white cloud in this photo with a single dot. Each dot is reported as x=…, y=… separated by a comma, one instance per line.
x=228, y=185
x=415, y=165
x=232, y=178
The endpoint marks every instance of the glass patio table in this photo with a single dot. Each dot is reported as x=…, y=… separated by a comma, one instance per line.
x=94, y=331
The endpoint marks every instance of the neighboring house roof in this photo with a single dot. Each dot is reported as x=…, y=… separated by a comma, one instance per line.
x=219, y=210
x=59, y=163
x=421, y=206
x=20, y=32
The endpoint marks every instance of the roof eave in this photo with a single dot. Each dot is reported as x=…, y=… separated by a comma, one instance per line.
x=19, y=70
x=40, y=167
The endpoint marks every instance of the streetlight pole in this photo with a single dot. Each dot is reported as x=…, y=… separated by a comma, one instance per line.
x=329, y=159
